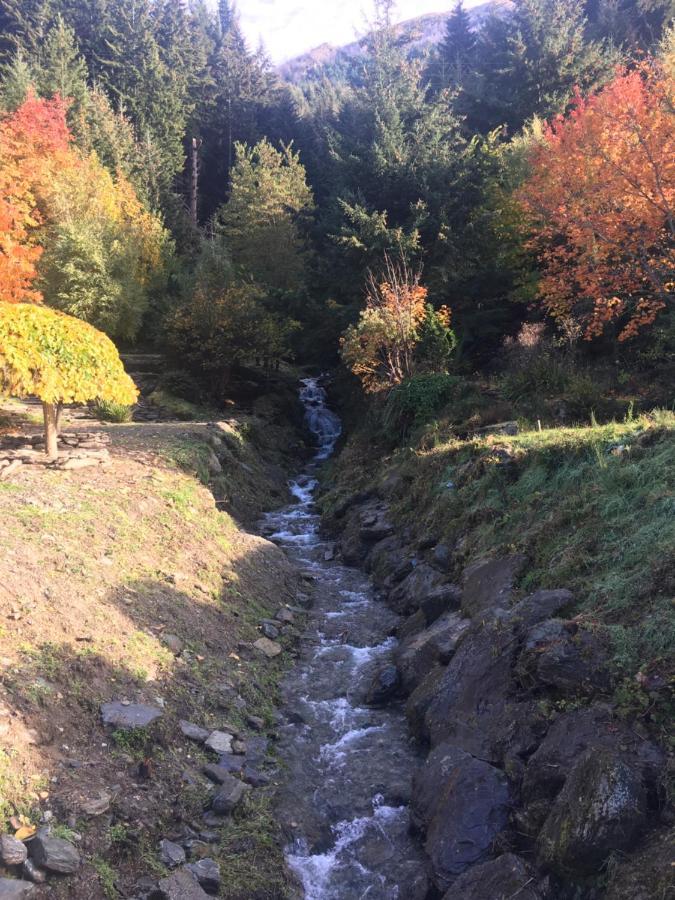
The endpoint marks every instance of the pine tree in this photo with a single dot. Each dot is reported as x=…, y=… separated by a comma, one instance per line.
x=455, y=57
x=61, y=69
x=17, y=77
x=23, y=25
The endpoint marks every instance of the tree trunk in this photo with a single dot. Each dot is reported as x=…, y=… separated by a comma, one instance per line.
x=59, y=411
x=51, y=430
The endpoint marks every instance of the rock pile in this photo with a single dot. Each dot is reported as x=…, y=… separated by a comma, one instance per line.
x=77, y=450
x=532, y=784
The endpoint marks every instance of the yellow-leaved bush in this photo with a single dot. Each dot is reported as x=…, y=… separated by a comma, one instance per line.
x=58, y=358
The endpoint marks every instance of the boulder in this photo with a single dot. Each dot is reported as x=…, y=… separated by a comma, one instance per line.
x=645, y=875
x=464, y=804
x=171, y=855
x=442, y=599
x=229, y=765
x=267, y=648
x=442, y=557
x=541, y=605
x=488, y=584
x=194, y=732
x=12, y=851
x=15, y=889
x=229, y=796
x=409, y=595
x=503, y=878
x=182, y=885
x=572, y=733
x=384, y=686
x=207, y=873
x=419, y=701
x=120, y=714
x=600, y=810
x=54, y=854
x=418, y=655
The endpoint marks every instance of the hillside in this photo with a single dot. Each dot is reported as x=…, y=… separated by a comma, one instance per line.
x=416, y=35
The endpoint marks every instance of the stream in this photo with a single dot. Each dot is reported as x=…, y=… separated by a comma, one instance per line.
x=344, y=803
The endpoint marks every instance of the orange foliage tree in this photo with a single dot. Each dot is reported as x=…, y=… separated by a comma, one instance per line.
x=602, y=196
x=32, y=142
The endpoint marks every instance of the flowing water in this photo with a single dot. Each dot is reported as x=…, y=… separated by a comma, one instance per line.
x=344, y=803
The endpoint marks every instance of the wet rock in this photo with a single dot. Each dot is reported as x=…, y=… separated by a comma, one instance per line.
x=488, y=584
x=475, y=691
x=231, y=793
x=219, y=742
x=463, y=803
x=645, y=875
x=54, y=854
x=119, y=714
x=266, y=647
x=170, y=854
x=408, y=596
x=384, y=686
x=419, y=701
x=600, y=810
x=572, y=733
x=207, y=873
x=182, y=885
x=14, y=889
x=12, y=851
x=194, y=732
x=504, y=878
x=412, y=625
x=541, y=605
x=418, y=655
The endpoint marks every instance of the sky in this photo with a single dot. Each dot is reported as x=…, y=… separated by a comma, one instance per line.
x=291, y=27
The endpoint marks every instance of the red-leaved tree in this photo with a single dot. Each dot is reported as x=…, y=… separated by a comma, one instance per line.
x=601, y=195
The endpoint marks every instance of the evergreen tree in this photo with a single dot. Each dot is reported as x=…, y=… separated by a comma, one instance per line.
x=61, y=69
x=454, y=59
x=17, y=77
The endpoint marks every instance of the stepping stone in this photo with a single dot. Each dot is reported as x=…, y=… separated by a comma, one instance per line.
x=132, y=715
x=219, y=742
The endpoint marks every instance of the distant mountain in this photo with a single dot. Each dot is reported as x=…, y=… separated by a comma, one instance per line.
x=417, y=34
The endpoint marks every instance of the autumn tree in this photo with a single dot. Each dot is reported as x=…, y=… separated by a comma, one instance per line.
x=58, y=359
x=602, y=197
x=398, y=333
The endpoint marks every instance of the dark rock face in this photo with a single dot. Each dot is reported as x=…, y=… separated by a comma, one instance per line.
x=230, y=795
x=408, y=596
x=473, y=691
x=207, y=873
x=600, y=810
x=559, y=655
x=384, y=686
x=418, y=655
x=504, y=878
x=463, y=804
x=442, y=599
x=419, y=701
x=54, y=854
x=170, y=854
x=488, y=584
x=366, y=526
x=647, y=875
x=540, y=606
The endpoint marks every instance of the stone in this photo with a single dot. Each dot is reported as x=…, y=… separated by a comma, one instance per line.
x=96, y=806
x=269, y=649
x=14, y=889
x=133, y=715
x=194, y=732
x=508, y=428
x=231, y=793
x=285, y=615
x=221, y=773
x=600, y=810
x=256, y=723
x=181, y=885
x=543, y=604
x=219, y=742
x=440, y=600
x=12, y=851
x=384, y=686
x=418, y=655
x=463, y=804
x=408, y=596
x=54, y=854
x=33, y=873
x=419, y=701
x=213, y=464
x=573, y=733
x=576, y=663
x=489, y=583
x=269, y=631
x=171, y=855
x=645, y=875
x=503, y=878
x=173, y=643
x=207, y=873
x=442, y=557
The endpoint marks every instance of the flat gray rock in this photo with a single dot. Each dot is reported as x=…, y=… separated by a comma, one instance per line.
x=268, y=648
x=207, y=873
x=132, y=715
x=170, y=854
x=182, y=885
x=194, y=732
x=54, y=854
x=219, y=742
x=13, y=889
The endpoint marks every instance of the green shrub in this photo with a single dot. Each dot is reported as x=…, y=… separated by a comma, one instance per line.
x=418, y=400
x=112, y=412
x=180, y=384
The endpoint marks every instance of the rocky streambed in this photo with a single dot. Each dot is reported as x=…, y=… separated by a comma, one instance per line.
x=447, y=736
